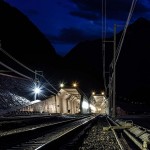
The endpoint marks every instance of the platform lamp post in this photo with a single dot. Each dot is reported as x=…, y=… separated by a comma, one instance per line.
x=114, y=75
x=37, y=89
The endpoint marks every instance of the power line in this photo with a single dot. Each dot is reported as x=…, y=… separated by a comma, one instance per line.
x=103, y=40
x=50, y=84
x=15, y=71
x=124, y=31
x=12, y=76
x=50, y=90
x=115, y=57
x=6, y=53
x=19, y=74
x=21, y=64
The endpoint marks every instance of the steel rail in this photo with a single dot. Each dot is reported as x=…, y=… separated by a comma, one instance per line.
x=118, y=141
x=37, y=136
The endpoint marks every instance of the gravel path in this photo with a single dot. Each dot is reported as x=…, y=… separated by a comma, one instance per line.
x=97, y=139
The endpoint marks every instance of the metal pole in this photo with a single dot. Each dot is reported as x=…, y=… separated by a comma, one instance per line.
x=35, y=82
x=110, y=99
x=56, y=103
x=114, y=74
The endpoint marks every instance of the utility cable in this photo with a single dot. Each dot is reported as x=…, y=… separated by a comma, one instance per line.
x=15, y=71
x=50, y=84
x=103, y=40
x=125, y=28
x=6, y=53
x=50, y=90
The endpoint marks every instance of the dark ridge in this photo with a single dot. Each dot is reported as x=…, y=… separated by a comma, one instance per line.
x=132, y=74
x=23, y=40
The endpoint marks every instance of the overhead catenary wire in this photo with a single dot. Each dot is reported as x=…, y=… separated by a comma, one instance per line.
x=118, y=50
x=103, y=40
x=4, y=65
x=12, y=76
x=21, y=64
x=6, y=53
x=125, y=29
x=26, y=77
x=112, y=88
x=50, y=90
x=50, y=84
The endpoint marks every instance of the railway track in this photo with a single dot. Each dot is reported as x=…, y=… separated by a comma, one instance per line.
x=100, y=139
x=13, y=125
x=83, y=133
x=43, y=136
x=107, y=134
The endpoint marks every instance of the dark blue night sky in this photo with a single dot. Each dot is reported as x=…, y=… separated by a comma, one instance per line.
x=67, y=22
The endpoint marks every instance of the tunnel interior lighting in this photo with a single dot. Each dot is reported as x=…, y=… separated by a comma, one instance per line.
x=85, y=105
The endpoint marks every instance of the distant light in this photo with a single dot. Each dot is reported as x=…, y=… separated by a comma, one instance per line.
x=102, y=93
x=85, y=105
x=99, y=109
x=37, y=90
x=61, y=85
x=93, y=93
x=74, y=84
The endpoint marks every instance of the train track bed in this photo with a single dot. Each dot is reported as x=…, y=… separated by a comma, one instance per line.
x=98, y=139
x=42, y=136
x=17, y=124
x=76, y=132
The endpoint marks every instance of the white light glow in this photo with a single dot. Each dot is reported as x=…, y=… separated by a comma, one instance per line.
x=102, y=93
x=37, y=90
x=85, y=105
x=74, y=84
x=36, y=101
x=93, y=109
x=61, y=85
x=93, y=93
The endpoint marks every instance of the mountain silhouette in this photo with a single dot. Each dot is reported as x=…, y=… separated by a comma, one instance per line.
x=132, y=69
x=23, y=40
x=84, y=63
x=133, y=63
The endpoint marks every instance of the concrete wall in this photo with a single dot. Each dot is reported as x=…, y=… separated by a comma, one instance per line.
x=63, y=103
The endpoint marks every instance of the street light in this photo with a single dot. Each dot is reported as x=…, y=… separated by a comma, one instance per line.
x=102, y=93
x=93, y=93
x=37, y=91
x=61, y=85
x=74, y=84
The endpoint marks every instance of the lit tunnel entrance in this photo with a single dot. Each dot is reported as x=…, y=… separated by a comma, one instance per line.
x=98, y=104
